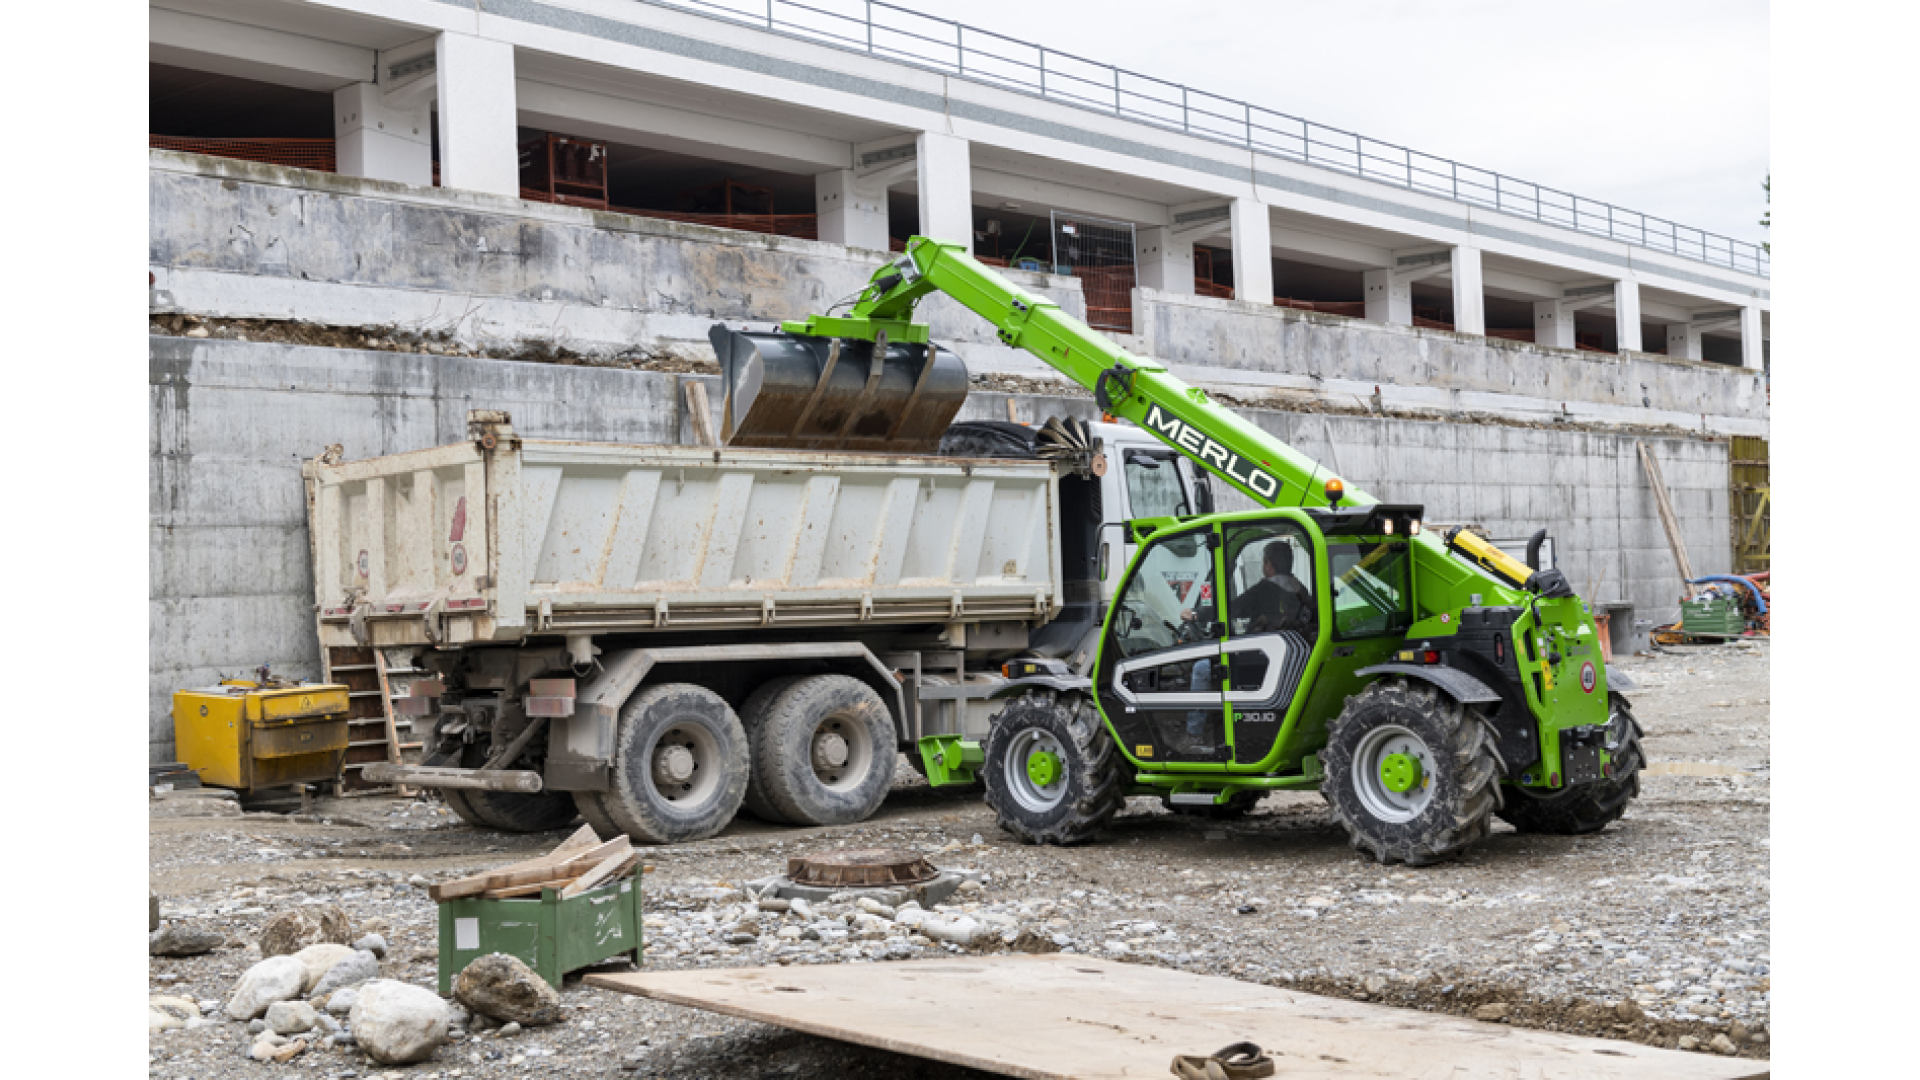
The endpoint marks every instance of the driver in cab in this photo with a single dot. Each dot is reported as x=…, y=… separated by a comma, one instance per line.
x=1276, y=602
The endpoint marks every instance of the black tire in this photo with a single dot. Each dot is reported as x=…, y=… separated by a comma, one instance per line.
x=702, y=723
x=816, y=716
x=507, y=811
x=1239, y=806
x=1460, y=773
x=753, y=714
x=1589, y=807
x=594, y=812
x=1092, y=783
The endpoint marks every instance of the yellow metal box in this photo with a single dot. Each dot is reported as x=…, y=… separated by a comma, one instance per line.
x=248, y=737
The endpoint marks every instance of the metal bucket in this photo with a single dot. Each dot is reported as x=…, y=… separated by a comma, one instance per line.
x=787, y=392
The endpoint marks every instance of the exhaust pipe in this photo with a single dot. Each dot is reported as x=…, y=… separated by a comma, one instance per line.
x=520, y=781
x=788, y=392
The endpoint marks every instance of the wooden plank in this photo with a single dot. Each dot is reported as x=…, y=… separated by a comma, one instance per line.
x=537, y=871
x=1063, y=1017
x=609, y=867
x=698, y=413
x=583, y=839
x=1665, y=505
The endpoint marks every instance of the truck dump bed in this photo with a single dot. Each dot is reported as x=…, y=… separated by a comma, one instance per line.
x=500, y=538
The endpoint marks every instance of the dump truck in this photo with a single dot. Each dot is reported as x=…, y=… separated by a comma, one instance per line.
x=1423, y=681
x=653, y=636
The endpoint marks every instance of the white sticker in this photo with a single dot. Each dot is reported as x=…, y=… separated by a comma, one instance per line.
x=626, y=886
x=466, y=934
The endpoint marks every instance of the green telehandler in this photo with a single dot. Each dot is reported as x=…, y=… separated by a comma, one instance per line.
x=1423, y=682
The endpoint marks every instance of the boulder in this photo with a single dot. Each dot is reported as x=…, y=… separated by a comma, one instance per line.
x=291, y=931
x=357, y=968
x=319, y=959
x=183, y=939
x=373, y=943
x=502, y=987
x=397, y=1024
x=291, y=1017
x=277, y=978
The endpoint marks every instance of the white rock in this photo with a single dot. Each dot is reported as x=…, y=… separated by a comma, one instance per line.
x=340, y=1002
x=373, y=943
x=357, y=968
x=874, y=907
x=159, y=1021
x=398, y=1024
x=319, y=959
x=952, y=930
x=291, y=1017
x=277, y=978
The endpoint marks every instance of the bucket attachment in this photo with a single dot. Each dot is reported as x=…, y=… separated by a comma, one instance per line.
x=789, y=392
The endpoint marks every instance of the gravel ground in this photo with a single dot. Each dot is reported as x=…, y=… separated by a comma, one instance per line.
x=1668, y=909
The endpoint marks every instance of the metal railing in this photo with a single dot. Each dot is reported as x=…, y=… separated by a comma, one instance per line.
x=899, y=34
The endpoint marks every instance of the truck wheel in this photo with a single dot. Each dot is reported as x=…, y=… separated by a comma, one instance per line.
x=679, y=765
x=594, y=812
x=753, y=715
x=1589, y=807
x=507, y=811
x=825, y=751
x=1053, y=776
x=1410, y=773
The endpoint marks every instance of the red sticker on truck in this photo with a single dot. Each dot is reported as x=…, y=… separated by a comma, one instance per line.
x=1588, y=677
x=459, y=520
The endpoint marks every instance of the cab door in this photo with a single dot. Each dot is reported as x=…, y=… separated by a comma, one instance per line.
x=1160, y=673
x=1272, y=623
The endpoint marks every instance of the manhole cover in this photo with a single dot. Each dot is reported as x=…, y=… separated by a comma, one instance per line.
x=861, y=868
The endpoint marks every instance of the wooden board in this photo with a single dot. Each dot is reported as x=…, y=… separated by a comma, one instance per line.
x=1063, y=1017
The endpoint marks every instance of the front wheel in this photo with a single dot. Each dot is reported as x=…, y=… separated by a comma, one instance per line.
x=679, y=769
x=1052, y=774
x=1410, y=773
x=1589, y=807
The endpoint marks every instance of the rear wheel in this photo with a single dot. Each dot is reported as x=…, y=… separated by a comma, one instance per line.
x=753, y=715
x=824, y=752
x=1589, y=807
x=1410, y=773
x=679, y=768
x=1052, y=774
x=507, y=811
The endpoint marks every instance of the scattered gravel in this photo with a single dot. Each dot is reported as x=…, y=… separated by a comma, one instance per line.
x=1655, y=930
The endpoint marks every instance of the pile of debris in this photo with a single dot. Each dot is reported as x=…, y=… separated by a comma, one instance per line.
x=581, y=862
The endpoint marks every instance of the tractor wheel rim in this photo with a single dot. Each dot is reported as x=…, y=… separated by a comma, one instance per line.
x=841, y=752
x=1021, y=769
x=1392, y=751
x=685, y=766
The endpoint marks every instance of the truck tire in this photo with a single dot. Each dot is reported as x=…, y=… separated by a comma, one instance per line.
x=507, y=811
x=824, y=752
x=1589, y=807
x=594, y=813
x=1053, y=776
x=753, y=714
x=1394, y=733
x=679, y=765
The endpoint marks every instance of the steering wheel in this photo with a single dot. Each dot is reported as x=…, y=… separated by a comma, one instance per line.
x=1188, y=630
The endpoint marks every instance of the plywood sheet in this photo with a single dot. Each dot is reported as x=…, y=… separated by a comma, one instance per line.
x=1065, y=1017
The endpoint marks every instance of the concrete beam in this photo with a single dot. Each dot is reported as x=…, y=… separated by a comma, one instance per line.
x=254, y=52
x=374, y=139
x=992, y=187
x=1626, y=316
x=592, y=115
x=1752, y=339
x=479, y=115
x=945, y=178
x=1200, y=220
x=1163, y=261
x=1469, y=292
x=1252, y=230
x=1317, y=249
x=852, y=209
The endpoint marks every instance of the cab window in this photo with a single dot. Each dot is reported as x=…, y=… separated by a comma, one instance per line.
x=1371, y=597
x=1170, y=594
x=1270, y=580
x=1153, y=485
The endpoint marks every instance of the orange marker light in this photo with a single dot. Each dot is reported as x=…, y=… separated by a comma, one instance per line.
x=1335, y=490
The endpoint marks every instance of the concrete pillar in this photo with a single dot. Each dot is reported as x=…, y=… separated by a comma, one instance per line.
x=379, y=141
x=1553, y=324
x=1626, y=316
x=1469, y=293
x=1752, y=349
x=945, y=174
x=1683, y=341
x=1162, y=262
x=1252, y=233
x=479, y=114
x=852, y=211
x=1389, y=298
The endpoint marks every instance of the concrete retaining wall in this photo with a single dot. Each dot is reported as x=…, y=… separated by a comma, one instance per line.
x=230, y=585
x=239, y=239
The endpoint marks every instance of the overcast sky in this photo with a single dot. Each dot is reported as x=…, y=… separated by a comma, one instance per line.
x=1656, y=107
